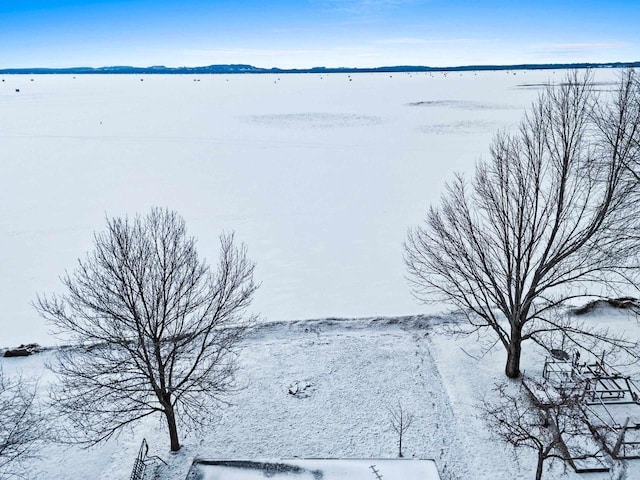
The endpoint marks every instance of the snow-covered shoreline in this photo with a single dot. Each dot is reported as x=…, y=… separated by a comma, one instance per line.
x=354, y=368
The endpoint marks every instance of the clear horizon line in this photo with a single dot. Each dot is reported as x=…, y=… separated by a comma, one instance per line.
x=322, y=67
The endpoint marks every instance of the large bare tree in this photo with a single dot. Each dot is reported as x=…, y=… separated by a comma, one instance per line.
x=158, y=329
x=21, y=425
x=545, y=219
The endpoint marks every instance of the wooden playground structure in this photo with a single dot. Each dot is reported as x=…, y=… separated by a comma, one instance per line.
x=602, y=382
x=611, y=402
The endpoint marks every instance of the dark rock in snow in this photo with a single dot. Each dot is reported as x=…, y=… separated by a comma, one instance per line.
x=626, y=303
x=23, y=350
x=300, y=389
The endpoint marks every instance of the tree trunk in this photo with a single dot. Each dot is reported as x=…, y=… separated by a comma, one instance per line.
x=512, y=369
x=400, y=447
x=173, y=429
x=540, y=465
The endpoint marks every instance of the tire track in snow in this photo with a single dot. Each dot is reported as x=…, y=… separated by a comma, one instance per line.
x=452, y=465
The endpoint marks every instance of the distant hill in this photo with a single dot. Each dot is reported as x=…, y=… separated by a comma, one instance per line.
x=240, y=68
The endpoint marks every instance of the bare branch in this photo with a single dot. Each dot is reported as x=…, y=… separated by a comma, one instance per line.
x=21, y=425
x=514, y=418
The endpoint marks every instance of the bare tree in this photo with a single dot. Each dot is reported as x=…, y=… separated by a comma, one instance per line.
x=20, y=425
x=542, y=426
x=621, y=123
x=159, y=329
x=545, y=220
x=401, y=420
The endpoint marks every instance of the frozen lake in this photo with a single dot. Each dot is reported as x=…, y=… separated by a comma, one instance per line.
x=321, y=175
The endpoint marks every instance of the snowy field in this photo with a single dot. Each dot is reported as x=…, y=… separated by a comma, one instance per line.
x=352, y=369
x=321, y=175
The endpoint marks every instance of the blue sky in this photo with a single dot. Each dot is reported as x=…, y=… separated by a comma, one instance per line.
x=307, y=33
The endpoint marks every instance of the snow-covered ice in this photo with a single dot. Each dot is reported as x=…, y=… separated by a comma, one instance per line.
x=319, y=175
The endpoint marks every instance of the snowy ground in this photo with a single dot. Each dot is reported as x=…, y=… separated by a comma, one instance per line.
x=354, y=369
x=321, y=175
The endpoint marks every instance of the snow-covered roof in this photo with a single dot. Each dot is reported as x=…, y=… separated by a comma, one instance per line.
x=315, y=469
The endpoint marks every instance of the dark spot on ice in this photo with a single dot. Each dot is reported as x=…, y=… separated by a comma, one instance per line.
x=462, y=105
x=315, y=120
x=467, y=127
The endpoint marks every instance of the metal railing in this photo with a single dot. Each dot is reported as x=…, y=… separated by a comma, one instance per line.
x=139, y=466
x=142, y=460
